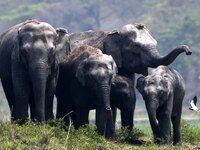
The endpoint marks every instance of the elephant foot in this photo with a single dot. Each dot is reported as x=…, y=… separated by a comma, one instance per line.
x=177, y=143
x=135, y=141
x=157, y=140
x=111, y=136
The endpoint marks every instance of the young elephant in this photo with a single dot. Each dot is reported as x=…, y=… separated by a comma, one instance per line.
x=163, y=91
x=84, y=84
x=123, y=98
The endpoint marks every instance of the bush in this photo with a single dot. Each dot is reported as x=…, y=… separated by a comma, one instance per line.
x=123, y=135
x=190, y=134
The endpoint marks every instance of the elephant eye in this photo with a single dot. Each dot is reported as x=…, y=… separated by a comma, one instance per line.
x=51, y=50
x=102, y=66
x=25, y=49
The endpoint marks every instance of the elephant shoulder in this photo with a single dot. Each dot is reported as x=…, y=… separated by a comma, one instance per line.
x=92, y=38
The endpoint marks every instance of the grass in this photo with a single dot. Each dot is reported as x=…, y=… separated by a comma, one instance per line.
x=53, y=136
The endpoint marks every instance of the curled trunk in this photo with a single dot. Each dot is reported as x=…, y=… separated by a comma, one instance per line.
x=153, y=58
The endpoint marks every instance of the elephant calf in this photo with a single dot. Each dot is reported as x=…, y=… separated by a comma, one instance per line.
x=123, y=98
x=163, y=91
x=84, y=84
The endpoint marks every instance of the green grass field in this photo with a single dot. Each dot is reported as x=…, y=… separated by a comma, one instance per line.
x=34, y=136
x=45, y=136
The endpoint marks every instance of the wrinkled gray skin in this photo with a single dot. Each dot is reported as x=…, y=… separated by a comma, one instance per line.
x=163, y=91
x=84, y=84
x=123, y=97
x=132, y=47
x=29, y=56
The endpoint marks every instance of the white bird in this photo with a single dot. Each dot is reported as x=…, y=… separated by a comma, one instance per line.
x=193, y=105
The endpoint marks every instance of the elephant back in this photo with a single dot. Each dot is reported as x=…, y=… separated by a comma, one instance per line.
x=92, y=38
x=86, y=50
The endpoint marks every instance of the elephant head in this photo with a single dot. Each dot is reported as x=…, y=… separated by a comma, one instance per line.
x=40, y=49
x=96, y=71
x=134, y=49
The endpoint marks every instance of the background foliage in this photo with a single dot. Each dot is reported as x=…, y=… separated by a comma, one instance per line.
x=171, y=23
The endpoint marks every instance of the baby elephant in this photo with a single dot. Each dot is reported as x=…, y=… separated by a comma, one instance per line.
x=84, y=83
x=123, y=98
x=163, y=91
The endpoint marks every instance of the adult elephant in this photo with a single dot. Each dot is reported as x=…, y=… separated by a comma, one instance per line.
x=84, y=83
x=123, y=98
x=133, y=48
x=163, y=91
x=29, y=56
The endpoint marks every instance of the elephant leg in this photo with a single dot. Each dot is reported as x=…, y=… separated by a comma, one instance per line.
x=64, y=110
x=32, y=107
x=50, y=91
x=176, y=122
x=114, y=109
x=133, y=103
x=22, y=94
x=127, y=111
x=165, y=126
x=81, y=116
x=127, y=118
x=9, y=93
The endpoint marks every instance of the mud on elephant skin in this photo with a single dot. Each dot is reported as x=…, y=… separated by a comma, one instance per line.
x=29, y=56
x=163, y=91
x=84, y=83
x=132, y=47
x=123, y=97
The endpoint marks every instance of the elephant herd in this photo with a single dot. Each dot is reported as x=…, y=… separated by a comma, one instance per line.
x=90, y=70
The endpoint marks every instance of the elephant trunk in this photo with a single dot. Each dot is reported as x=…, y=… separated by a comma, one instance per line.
x=151, y=110
x=155, y=59
x=104, y=116
x=38, y=76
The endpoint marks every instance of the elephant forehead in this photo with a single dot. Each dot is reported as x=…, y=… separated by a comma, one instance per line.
x=142, y=34
x=151, y=89
x=40, y=28
x=153, y=80
x=129, y=27
x=144, y=37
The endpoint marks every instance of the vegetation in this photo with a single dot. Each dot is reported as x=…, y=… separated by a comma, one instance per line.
x=171, y=23
x=53, y=136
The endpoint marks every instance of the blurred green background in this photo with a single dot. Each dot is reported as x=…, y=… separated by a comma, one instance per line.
x=170, y=22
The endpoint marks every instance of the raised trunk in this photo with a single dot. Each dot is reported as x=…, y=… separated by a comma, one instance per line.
x=39, y=79
x=153, y=58
x=104, y=116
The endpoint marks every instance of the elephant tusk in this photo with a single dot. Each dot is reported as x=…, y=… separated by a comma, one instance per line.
x=108, y=108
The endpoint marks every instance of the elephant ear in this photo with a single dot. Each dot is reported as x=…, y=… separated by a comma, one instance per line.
x=166, y=83
x=21, y=38
x=114, y=68
x=112, y=47
x=140, y=84
x=79, y=67
x=62, y=45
